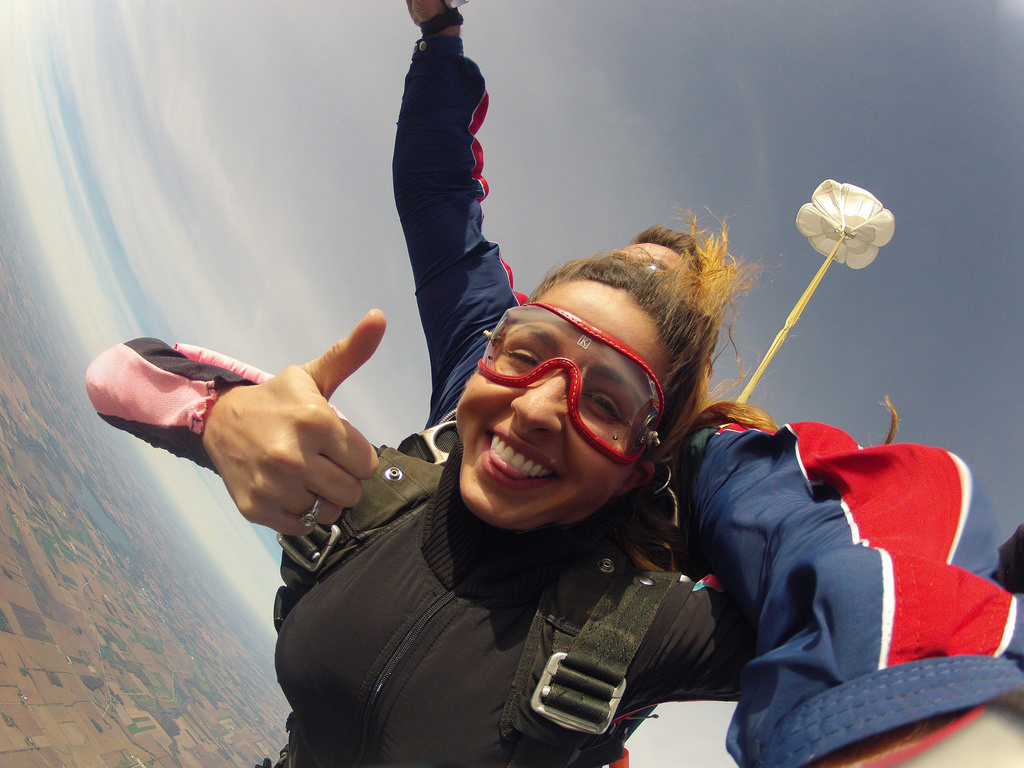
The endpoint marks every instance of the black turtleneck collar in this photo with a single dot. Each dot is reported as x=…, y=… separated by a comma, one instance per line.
x=480, y=561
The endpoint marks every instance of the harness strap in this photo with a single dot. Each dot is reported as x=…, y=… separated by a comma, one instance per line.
x=401, y=484
x=691, y=456
x=567, y=690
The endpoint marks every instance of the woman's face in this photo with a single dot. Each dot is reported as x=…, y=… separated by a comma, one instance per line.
x=524, y=464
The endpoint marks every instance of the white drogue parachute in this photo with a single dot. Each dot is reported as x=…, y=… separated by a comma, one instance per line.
x=847, y=224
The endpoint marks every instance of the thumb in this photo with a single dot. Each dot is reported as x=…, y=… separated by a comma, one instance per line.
x=346, y=356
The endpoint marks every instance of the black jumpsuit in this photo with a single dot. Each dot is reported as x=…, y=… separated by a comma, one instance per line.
x=405, y=653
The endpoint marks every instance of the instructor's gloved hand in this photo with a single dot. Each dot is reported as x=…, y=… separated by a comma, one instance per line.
x=424, y=10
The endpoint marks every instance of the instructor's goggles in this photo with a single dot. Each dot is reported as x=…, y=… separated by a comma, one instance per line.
x=614, y=399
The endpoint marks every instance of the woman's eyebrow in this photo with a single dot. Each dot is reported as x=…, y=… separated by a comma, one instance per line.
x=551, y=337
x=544, y=333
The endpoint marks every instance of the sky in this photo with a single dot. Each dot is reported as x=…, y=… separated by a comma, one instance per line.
x=219, y=174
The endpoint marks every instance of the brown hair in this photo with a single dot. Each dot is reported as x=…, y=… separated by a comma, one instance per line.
x=688, y=302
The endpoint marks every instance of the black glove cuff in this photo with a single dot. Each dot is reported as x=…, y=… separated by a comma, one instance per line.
x=450, y=18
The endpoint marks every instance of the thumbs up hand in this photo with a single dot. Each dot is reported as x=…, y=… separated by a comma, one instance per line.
x=279, y=446
x=345, y=357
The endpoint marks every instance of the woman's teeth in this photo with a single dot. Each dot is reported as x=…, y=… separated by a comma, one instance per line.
x=517, y=460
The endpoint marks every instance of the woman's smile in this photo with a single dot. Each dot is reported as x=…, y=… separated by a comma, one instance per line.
x=514, y=464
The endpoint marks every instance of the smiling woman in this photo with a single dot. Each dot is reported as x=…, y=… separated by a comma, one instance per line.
x=558, y=431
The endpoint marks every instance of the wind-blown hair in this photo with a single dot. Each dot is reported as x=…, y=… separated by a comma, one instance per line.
x=688, y=303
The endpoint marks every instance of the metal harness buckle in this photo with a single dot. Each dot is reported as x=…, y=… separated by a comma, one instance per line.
x=311, y=550
x=575, y=697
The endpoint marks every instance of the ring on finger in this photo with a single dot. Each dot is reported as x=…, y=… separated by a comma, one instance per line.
x=313, y=515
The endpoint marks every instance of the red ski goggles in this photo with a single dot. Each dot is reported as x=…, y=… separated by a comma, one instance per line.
x=614, y=399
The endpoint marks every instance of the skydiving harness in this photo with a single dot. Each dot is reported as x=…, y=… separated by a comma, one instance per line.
x=588, y=626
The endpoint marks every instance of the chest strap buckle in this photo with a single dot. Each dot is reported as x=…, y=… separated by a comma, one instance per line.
x=310, y=551
x=577, y=695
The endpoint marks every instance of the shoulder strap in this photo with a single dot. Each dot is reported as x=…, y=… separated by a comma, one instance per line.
x=568, y=681
x=691, y=456
x=572, y=673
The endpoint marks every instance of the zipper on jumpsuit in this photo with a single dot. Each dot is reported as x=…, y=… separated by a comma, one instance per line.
x=394, y=661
